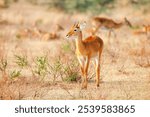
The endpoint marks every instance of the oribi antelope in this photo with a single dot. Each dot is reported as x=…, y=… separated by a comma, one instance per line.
x=87, y=49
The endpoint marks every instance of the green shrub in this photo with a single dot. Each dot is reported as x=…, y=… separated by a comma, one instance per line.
x=66, y=47
x=21, y=61
x=6, y=3
x=15, y=74
x=41, y=68
x=70, y=71
x=71, y=77
x=66, y=71
x=76, y=5
x=3, y=65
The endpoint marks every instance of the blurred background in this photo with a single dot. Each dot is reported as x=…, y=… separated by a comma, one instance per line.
x=37, y=62
x=94, y=6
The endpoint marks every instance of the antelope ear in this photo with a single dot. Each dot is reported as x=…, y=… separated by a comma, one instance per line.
x=75, y=24
x=83, y=25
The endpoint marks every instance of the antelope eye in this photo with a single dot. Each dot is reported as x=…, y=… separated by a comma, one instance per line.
x=75, y=30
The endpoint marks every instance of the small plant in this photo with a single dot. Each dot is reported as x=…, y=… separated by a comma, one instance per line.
x=56, y=69
x=15, y=74
x=66, y=47
x=41, y=66
x=21, y=61
x=18, y=36
x=135, y=27
x=72, y=77
x=66, y=71
x=39, y=21
x=71, y=71
x=6, y=3
x=3, y=65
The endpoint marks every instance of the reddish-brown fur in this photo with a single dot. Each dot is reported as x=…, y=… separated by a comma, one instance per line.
x=105, y=22
x=91, y=47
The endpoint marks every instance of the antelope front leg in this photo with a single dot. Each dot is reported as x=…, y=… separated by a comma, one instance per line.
x=85, y=80
x=81, y=60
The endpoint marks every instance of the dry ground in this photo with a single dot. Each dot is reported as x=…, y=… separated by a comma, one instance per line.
x=125, y=69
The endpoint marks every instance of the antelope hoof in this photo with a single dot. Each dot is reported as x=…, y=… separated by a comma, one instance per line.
x=97, y=85
x=84, y=86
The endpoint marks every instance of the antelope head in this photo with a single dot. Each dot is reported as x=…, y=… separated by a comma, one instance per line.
x=75, y=30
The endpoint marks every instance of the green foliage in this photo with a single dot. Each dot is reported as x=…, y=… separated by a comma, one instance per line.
x=18, y=36
x=71, y=77
x=135, y=27
x=15, y=74
x=66, y=47
x=6, y=3
x=70, y=71
x=66, y=71
x=21, y=61
x=38, y=22
x=86, y=5
x=56, y=69
x=143, y=2
x=139, y=3
x=76, y=5
x=41, y=66
x=57, y=66
x=3, y=65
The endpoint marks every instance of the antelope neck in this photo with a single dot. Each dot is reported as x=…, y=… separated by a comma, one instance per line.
x=79, y=42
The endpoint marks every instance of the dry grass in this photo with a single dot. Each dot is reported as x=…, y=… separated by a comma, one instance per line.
x=22, y=88
x=52, y=70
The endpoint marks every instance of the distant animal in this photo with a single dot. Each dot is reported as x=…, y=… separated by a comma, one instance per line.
x=145, y=31
x=86, y=50
x=108, y=23
x=37, y=33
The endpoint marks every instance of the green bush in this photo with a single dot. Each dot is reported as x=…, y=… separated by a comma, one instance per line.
x=6, y=3
x=76, y=5
x=41, y=68
x=21, y=61
x=85, y=5
x=3, y=65
x=15, y=74
x=72, y=77
x=66, y=71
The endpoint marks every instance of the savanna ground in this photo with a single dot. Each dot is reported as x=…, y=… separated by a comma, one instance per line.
x=34, y=65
